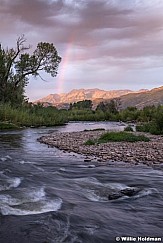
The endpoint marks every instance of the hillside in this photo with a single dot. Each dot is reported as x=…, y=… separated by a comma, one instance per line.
x=63, y=100
x=147, y=98
x=138, y=99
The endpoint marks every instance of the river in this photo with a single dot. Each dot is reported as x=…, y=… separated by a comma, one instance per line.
x=48, y=196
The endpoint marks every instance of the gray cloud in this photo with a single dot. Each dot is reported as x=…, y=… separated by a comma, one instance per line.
x=86, y=22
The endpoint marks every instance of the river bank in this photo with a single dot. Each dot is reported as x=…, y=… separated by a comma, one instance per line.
x=148, y=153
x=47, y=195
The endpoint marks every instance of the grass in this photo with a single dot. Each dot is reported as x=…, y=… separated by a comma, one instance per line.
x=6, y=125
x=30, y=116
x=118, y=137
x=90, y=142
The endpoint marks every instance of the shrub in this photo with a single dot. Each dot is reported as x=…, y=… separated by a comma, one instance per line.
x=5, y=125
x=89, y=142
x=118, y=137
x=31, y=116
x=151, y=127
x=121, y=136
x=128, y=129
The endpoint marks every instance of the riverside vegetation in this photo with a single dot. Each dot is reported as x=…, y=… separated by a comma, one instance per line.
x=28, y=115
x=117, y=137
x=149, y=119
x=112, y=148
x=16, y=67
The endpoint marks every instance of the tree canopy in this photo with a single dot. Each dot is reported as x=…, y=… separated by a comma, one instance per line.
x=111, y=106
x=16, y=66
x=81, y=105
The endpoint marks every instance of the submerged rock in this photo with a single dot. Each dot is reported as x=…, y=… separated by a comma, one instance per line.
x=129, y=191
x=115, y=195
x=91, y=166
x=87, y=160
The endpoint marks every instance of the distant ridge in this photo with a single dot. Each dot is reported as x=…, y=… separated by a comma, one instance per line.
x=142, y=99
x=97, y=95
x=127, y=97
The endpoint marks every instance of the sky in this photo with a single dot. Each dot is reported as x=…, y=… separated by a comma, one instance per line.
x=105, y=44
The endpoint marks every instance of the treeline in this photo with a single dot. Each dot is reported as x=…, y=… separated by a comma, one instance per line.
x=149, y=119
x=30, y=115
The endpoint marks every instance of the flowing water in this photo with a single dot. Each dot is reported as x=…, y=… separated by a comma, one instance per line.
x=48, y=196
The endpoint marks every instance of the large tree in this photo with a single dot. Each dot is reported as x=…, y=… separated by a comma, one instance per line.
x=81, y=105
x=16, y=66
x=112, y=106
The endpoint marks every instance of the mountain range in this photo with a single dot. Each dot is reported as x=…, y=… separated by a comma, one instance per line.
x=127, y=97
x=140, y=100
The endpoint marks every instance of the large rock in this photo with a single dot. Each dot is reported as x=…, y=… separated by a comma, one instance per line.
x=129, y=191
x=115, y=195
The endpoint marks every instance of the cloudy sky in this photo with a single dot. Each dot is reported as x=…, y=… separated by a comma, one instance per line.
x=106, y=44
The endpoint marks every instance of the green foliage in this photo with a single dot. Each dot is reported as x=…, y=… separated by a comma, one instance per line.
x=32, y=116
x=153, y=129
x=150, y=127
x=89, y=142
x=85, y=115
x=16, y=67
x=118, y=137
x=6, y=125
x=110, y=107
x=128, y=129
x=81, y=105
x=159, y=118
x=147, y=114
x=155, y=121
x=129, y=114
x=150, y=116
x=121, y=136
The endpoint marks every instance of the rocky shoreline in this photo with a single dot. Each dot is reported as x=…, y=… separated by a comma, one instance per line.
x=149, y=153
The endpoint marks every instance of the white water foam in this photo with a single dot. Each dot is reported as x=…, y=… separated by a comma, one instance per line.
x=27, y=162
x=92, y=193
x=6, y=158
x=89, y=180
x=39, y=168
x=62, y=169
x=14, y=182
x=145, y=192
x=29, y=196
x=7, y=199
x=92, y=196
x=10, y=183
x=117, y=186
x=82, y=166
x=35, y=195
x=22, y=162
x=32, y=208
x=32, y=201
